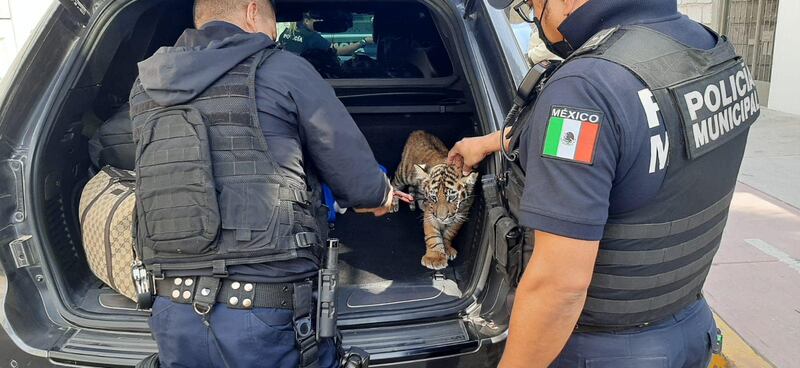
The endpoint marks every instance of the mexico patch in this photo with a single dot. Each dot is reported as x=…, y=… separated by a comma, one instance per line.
x=572, y=134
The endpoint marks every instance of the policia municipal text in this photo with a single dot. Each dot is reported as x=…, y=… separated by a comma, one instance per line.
x=232, y=135
x=629, y=153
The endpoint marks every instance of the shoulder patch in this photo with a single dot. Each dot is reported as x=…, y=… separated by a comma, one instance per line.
x=571, y=134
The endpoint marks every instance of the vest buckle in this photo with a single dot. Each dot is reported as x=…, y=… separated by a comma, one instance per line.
x=306, y=239
x=301, y=197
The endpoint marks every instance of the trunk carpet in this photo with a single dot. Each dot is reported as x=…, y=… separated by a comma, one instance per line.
x=376, y=249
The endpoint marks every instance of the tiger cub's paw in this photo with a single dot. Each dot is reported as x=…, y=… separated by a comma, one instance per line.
x=412, y=206
x=435, y=260
x=451, y=252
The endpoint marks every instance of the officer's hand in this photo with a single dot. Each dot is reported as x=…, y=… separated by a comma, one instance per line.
x=403, y=196
x=469, y=152
x=380, y=211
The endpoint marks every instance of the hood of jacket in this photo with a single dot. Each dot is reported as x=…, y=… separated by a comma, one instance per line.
x=177, y=74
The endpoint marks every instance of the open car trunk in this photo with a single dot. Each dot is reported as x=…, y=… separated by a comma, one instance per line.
x=380, y=259
x=380, y=269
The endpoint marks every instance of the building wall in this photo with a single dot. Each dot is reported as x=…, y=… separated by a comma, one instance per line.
x=703, y=11
x=17, y=19
x=786, y=62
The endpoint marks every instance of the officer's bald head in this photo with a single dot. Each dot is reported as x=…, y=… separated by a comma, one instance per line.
x=250, y=15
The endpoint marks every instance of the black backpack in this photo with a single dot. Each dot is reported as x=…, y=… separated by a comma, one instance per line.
x=112, y=144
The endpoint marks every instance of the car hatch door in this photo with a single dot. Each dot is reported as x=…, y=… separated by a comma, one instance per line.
x=79, y=10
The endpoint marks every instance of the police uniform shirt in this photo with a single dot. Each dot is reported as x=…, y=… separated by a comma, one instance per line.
x=593, y=145
x=303, y=39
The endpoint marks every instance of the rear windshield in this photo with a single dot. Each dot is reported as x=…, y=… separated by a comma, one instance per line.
x=371, y=41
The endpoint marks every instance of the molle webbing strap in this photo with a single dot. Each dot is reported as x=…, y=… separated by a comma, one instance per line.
x=172, y=155
x=244, y=143
x=651, y=257
x=229, y=118
x=224, y=91
x=243, y=168
x=652, y=231
x=144, y=107
x=616, y=282
x=648, y=304
x=241, y=69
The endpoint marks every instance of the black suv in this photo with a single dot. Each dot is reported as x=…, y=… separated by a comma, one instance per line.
x=445, y=66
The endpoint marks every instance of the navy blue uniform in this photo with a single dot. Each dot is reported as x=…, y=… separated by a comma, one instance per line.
x=621, y=170
x=306, y=127
x=260, y=337
x=303, y=39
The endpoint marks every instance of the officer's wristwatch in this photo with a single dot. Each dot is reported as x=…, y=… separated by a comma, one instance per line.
x=363, y=42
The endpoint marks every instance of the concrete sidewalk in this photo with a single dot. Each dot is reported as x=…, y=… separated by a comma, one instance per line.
x=754, y=284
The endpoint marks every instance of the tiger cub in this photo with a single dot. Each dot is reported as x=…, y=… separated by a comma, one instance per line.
x=446, y=195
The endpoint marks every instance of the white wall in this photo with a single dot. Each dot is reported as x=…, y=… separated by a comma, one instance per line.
x=784, y=94
x=17, y=19
x=702, y=11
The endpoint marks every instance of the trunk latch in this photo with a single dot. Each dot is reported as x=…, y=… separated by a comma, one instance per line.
x=21, y=251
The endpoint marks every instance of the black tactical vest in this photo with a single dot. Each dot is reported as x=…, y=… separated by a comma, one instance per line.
x=209, y=194
x=653, y=261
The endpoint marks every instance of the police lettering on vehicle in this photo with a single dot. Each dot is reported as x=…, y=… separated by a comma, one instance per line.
x=717, y=108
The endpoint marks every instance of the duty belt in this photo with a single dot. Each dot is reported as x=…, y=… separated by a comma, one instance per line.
x=234, y=294
x=203, y=293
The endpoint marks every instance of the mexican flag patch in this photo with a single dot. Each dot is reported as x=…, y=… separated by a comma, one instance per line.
x=572, y=134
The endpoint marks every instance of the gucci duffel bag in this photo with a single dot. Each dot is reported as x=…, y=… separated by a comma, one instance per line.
x=107, y=215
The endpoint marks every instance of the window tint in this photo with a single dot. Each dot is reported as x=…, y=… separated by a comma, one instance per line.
x=386, y=42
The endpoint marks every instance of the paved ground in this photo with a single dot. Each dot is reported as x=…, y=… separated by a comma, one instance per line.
x=771, y=162
x=754, y=284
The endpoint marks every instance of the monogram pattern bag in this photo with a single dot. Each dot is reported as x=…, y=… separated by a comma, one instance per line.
x=107, y=211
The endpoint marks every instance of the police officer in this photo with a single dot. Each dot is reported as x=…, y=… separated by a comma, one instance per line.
x=303, y=37
x=630, y=153
x=233, y=255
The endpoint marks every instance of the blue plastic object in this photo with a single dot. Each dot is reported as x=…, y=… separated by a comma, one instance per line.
x=330, y=201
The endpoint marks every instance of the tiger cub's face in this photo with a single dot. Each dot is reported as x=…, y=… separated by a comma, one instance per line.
x=447, y=194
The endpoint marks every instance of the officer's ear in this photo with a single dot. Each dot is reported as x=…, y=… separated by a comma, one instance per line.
x=251, y=17
x=421, y=172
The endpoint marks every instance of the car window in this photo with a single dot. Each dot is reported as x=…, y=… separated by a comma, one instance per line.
x=298, y=37
x=367, y=43
x=527, y=38
x=522, y=31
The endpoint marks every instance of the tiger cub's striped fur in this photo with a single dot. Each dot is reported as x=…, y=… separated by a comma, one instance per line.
x=446, y=195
